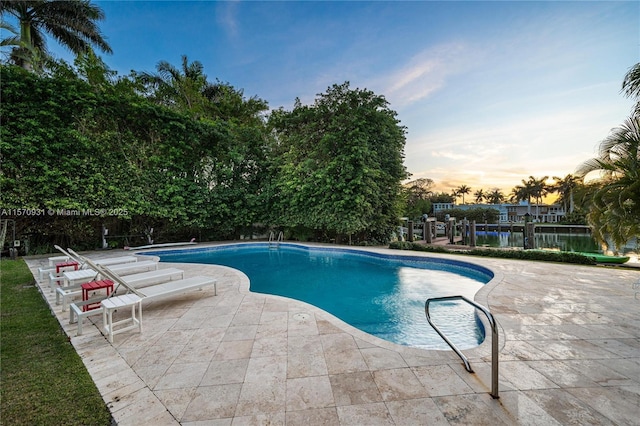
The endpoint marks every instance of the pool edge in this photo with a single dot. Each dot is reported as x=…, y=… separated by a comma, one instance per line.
x=481, y=297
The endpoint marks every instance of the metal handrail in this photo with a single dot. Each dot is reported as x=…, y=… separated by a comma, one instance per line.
x=278, y=241
x=494, y=338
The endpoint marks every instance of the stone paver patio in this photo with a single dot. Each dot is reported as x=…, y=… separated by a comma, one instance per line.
x=569, y=355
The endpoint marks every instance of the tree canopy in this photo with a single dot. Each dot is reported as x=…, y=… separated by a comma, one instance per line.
x=417, y=197
x=70, y=145
x=340, y=164
x=82, y=140
x=73, y=23
x=615, y=210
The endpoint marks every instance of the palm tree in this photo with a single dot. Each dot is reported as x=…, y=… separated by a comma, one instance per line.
x=615, y=210
x=462, y=190
x=454, y=195
x=539, y=189
x=20, y=50
x=70, y=22
x=14, y=40
x=565, y=188
x=480, y=196
x=522, y=192
x=180, y=88
x=495, y=196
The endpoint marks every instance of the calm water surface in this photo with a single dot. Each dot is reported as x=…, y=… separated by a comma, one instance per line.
x=381, y=296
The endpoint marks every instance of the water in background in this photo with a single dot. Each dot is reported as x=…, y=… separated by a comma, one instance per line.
x=564, y=242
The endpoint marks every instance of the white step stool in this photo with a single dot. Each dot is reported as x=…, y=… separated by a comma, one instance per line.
x=111, y=304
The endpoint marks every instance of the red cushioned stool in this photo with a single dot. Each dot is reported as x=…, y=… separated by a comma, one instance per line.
x=94, y=286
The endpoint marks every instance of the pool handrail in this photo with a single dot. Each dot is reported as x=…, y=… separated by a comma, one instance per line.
x=494, y=338
x=275, y=241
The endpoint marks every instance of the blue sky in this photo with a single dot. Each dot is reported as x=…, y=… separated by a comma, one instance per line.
x=490, y=92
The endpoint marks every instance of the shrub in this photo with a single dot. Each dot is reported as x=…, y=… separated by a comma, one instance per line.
x=546, y=256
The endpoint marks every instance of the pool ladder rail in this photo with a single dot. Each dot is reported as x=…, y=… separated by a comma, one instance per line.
x=273, y=242
x=494, y=338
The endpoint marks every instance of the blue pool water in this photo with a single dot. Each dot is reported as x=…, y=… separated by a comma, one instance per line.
x=383, y=295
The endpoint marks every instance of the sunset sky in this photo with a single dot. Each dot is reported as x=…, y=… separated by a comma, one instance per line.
x=490, y=92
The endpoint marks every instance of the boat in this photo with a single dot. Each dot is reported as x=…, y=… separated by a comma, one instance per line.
x=604, y=258
x=598, y=257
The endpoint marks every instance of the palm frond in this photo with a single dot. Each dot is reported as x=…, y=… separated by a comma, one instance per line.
x=10, y=41
x=631, y=82
x=72, y=23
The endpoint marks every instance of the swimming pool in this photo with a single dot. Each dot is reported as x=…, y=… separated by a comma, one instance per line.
x=380, y=294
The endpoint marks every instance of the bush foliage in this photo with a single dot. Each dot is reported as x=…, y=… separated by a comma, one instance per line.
x=81, y=150
x=562, y=257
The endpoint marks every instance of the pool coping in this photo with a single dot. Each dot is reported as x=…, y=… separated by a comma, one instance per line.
x=481, y=297
x=481, y=350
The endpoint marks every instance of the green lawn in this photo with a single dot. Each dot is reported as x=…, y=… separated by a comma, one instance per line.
x=42, y=379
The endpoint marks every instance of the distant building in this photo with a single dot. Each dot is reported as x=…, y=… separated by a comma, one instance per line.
x=438, y=207
x=544, y=213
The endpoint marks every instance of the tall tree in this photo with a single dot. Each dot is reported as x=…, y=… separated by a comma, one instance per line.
x=495, y=196
x=480, y=196
x=454, y=195
x=615, y=210
x=539, y=189
x=73, y=23
x=462, y=190
x=13, y=40
x=422, y=188
x=565, y=188
x=236, y=171
x=522, y=192
x=20, y=50
x=417, y=197
x=442, y=197
x=182, y=89
x=340, y=168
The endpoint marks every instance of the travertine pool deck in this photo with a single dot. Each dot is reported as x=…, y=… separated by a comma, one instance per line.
x=569, y=355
